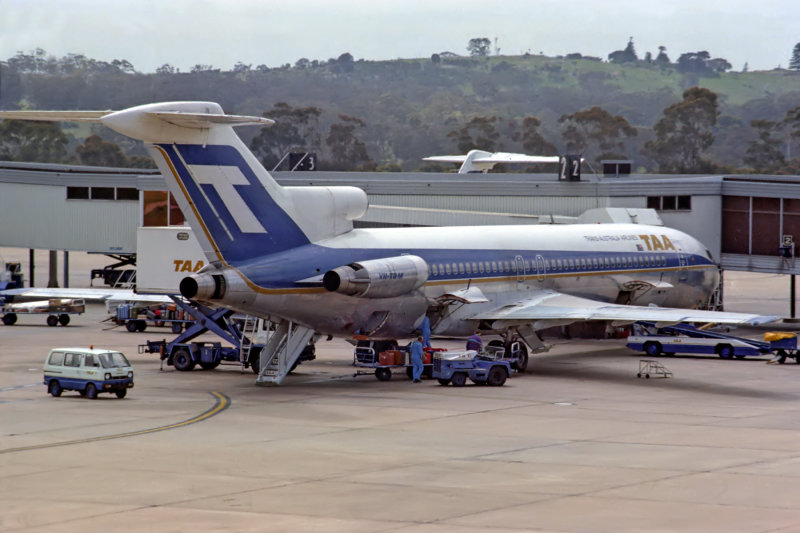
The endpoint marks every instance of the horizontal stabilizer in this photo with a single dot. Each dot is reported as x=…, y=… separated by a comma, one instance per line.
x=177, y=118
x=56, y=116
x=205, y=120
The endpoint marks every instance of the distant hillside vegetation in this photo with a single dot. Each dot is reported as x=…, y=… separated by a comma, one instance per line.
x=390, y=114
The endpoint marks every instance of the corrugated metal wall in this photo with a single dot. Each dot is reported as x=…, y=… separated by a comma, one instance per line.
x=40, y=217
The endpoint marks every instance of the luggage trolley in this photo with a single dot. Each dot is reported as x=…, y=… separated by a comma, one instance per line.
x=383, y=357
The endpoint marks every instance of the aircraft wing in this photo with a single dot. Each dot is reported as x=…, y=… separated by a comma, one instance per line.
x=554, y=306
x=91, y=293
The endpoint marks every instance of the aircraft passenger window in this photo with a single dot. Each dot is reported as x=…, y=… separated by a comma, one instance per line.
x=461, y=268
x=630, y=262
x=455, y=268
x=434, y=270
x=474, y=267
x=527, y=265
x=494, y=266
x=507, y=266
x=448, y=268
x=558, y=264
x=571, y=264
x=664, y=260
x=583, y=263
x=635, y=261
x=605, y=260
x=480, y=267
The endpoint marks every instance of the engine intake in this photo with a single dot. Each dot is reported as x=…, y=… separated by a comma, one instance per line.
x=203, y=287
x=378, y=278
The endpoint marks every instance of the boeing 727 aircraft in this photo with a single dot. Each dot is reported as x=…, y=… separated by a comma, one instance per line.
x=290, y=254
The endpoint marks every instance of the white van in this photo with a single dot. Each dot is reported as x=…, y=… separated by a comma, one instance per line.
x=88, y=371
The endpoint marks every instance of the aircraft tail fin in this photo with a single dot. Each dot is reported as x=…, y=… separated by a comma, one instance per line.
x=237, y=210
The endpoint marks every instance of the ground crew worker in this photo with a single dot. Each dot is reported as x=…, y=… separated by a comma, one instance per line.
x=416, y=359
x=425, y=328
x=474, y=342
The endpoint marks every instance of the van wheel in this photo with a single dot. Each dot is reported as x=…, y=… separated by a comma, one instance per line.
x=54, y=388
x=63, y=319
x=182, y=360
x=91, y=391
x=121, y=393
x=497, y=376
x=52, y=321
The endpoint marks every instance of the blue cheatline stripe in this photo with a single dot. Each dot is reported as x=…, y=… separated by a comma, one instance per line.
x=235, y=246
x=283, y=270
x=222, y=403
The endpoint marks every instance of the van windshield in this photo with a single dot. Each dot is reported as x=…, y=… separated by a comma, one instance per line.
x=113, y=360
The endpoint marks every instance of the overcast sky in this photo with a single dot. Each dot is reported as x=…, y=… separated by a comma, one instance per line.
x=221, y=32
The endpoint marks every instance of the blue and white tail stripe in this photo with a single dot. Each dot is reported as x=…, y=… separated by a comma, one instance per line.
x=238, y=215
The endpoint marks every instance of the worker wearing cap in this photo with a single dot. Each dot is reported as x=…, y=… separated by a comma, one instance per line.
x=416, y=359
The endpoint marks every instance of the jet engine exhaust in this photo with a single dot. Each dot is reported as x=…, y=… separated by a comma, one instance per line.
x=203, y=287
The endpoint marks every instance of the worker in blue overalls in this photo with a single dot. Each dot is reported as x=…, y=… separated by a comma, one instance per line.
x=425, y=329
x=416, y=359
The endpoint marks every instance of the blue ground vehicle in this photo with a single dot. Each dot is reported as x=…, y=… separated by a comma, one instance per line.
x=687, y=339
x=784, y=345
x=456, y=367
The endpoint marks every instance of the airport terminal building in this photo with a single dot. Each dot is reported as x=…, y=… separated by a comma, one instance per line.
x=748, y=222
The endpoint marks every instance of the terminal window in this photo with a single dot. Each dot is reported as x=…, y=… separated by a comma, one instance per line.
x=102, y=193
x=670, y=203
x=77, y=193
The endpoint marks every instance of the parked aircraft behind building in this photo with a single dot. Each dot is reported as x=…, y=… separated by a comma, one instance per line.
x=480, y=161
x=290, y=254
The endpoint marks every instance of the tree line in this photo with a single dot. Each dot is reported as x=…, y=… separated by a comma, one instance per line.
x=362, y=115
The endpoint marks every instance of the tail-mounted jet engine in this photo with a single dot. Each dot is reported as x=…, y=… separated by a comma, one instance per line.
x=378, y=278
x=203, y=286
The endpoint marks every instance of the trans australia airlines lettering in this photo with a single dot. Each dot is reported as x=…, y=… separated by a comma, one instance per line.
x=653, y=242
x=187, y=265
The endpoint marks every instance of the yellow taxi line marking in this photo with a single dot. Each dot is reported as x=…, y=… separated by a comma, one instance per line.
x=222, y=403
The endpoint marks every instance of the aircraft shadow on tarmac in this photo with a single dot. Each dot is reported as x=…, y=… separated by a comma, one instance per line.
x=588, y=366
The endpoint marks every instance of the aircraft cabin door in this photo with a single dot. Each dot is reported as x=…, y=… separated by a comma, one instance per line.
x=683, y=272
x=520, y=269
x=540, y=269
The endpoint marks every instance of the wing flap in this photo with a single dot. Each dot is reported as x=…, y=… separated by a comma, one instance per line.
x=552, y=305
